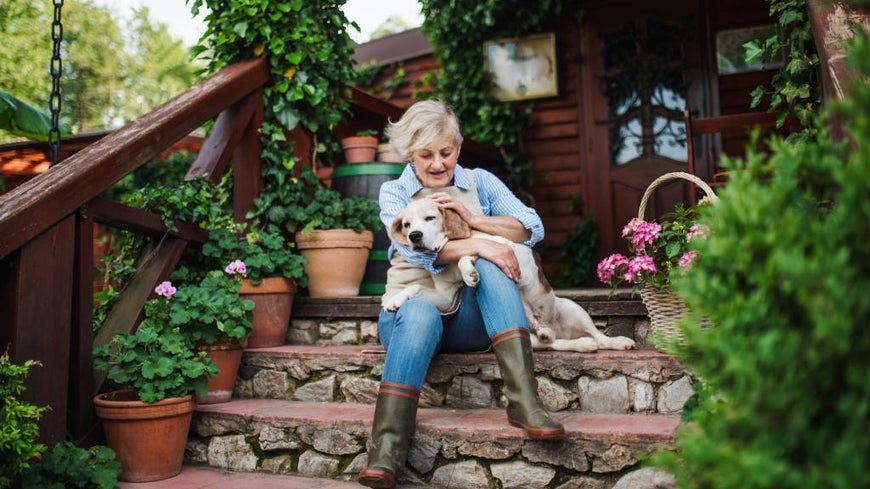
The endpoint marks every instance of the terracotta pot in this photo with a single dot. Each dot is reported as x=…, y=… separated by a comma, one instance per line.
x=386, y=155
x=336, y=260
x=148, y=437
x=227, y=355
x=273, y=303
x=359, y=149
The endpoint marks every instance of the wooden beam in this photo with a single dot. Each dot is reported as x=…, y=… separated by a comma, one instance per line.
x=49, y=197
x=223, y=139
x=247, y=166
x=140, y=221
x=157, y=262
x=82, y=419
x=40, y=327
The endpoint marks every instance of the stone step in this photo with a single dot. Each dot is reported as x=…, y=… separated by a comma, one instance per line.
x=451, y=448
x=204, y=477
x=634, y=381
x=353, y=320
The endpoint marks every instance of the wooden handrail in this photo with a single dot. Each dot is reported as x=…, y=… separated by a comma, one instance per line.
x=43, y=201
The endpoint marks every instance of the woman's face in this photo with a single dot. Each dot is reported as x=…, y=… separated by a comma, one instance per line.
x=436, y=163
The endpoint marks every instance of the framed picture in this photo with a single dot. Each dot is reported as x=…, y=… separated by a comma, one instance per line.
x=731, y=55
x=522, y=68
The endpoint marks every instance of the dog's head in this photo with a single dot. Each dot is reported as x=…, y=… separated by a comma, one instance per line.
x=425, y=226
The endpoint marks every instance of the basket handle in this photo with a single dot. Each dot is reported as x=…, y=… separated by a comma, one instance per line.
x=670, y=176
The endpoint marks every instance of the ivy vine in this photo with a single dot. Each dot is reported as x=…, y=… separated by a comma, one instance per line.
x=795, y=89
x=457, y=30
x=308, y=49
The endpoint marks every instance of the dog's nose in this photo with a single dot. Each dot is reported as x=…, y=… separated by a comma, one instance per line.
x=415, y=236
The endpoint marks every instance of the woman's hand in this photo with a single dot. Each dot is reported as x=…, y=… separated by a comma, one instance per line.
x=500, y=254
x=447, y=201
x=505, y=226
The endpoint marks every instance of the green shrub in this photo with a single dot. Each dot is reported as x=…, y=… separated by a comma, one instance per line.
x=18, y=427
x=785, y=279
x=68, y=466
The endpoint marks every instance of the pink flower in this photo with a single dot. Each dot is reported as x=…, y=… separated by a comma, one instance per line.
x=610, y=265
x=645, y=233
x=165, y=289
x=687, y=258
x=236, y=267
x=630, y=227
x=638, y=265
x=696, y=231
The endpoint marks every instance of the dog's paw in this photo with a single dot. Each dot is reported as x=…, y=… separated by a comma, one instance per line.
x=545, y=335
x=393, y=304
x=471, y=278
x=617, y=343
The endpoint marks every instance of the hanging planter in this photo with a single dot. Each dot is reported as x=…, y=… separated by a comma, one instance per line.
x=273, y=304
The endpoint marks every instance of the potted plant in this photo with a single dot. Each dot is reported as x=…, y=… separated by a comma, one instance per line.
x=213, y=315
x=147, y=421
x=360, y=148
x=660, y=249
x=334, y=233
x=273, y=271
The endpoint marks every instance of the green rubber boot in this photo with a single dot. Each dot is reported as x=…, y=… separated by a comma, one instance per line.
x=395, y=420
x=525, y=409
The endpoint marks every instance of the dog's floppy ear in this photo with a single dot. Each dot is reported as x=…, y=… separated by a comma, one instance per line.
x=454, y=226
x=396, y=230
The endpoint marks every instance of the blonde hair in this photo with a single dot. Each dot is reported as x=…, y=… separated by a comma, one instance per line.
x=420, y=125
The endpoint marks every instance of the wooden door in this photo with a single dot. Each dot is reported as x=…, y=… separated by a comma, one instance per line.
x=641, y=64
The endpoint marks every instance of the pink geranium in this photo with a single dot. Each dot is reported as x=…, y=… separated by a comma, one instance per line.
x=165, y=289
x=236, y=267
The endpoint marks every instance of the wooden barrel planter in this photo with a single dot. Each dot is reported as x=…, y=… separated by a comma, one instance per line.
x=366, y=180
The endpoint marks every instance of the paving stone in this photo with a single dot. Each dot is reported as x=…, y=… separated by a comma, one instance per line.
x=521, y=475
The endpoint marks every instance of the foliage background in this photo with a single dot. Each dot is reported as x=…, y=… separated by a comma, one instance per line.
x=110, y=75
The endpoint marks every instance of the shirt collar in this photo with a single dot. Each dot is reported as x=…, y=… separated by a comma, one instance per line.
x=410, y=182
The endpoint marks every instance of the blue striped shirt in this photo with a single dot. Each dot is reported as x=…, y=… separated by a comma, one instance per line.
x=495, y=200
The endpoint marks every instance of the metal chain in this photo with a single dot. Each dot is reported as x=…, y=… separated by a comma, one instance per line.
x=56, y=68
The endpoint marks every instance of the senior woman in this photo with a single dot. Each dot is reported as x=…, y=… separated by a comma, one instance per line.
x=490, y=315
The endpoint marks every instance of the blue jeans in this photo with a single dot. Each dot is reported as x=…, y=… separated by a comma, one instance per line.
x=417, y=331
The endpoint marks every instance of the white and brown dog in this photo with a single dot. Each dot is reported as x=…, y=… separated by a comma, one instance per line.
x=557, y=323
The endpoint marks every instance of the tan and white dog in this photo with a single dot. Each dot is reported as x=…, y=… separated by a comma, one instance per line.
x=557, y=323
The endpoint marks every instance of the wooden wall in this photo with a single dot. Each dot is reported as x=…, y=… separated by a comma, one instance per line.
x=554, y=141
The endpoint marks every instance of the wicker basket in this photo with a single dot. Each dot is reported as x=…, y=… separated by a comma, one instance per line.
x=664, y=307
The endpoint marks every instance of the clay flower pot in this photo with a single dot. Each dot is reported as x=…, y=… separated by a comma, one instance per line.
x=227, y=355
x=273, y=303
x=336, y=260
x=386, y=155
x=359, y=149
x=148, y=437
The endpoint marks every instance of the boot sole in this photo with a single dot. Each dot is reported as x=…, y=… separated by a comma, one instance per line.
x=377, y=479
x=539, y=433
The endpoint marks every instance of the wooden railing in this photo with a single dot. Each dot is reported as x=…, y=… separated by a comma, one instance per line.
x=47, y=227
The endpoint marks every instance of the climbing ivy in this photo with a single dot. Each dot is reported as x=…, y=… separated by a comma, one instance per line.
x=458, y=30
x=795, y=89
x=308, y=50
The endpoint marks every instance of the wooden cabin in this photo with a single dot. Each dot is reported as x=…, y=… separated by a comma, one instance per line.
x=617, y=120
